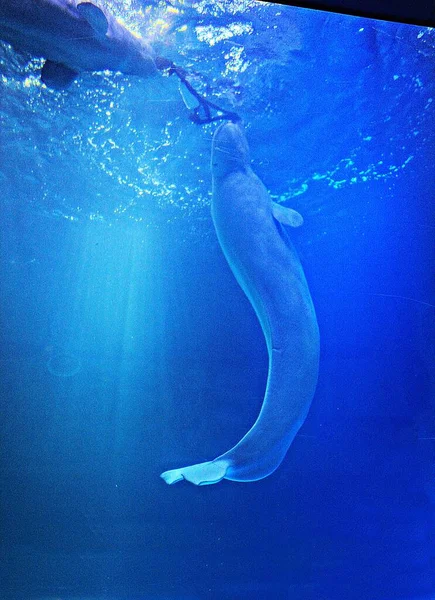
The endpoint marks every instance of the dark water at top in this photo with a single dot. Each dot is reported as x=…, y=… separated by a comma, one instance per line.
x=127, y=347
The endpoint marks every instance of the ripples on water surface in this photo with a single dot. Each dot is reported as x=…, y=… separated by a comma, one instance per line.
x=328, y=102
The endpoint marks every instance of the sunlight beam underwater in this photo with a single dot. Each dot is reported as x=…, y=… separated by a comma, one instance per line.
x=263, y=260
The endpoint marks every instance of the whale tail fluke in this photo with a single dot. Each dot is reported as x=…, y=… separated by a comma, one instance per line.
x=205, y=473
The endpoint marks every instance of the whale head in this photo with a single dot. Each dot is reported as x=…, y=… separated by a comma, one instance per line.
x=230, y=150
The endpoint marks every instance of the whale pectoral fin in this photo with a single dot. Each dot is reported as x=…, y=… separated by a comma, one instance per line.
x=56, y=75
x=95, y=17
x=286, y=216
x=205, y=473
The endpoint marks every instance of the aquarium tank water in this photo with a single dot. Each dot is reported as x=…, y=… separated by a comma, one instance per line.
x=199, y=200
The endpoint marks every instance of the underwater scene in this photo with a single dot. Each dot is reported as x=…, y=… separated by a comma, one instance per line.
x=217, y=367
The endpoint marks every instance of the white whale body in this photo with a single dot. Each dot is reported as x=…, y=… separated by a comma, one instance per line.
x=73, y=37
x=265, y=264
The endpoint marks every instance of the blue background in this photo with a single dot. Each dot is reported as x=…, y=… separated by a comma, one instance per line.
x=110, y=268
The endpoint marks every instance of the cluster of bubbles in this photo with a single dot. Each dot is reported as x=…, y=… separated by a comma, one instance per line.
x=62, y=363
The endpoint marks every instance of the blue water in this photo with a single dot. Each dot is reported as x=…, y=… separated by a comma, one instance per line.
x=127, y=347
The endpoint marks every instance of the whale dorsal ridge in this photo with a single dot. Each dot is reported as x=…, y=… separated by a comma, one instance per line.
x=286, y=216
x=95, y=17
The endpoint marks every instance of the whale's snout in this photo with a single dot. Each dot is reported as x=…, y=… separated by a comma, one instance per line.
x=230, y=150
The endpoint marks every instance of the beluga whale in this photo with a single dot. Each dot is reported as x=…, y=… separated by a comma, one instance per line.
x=74, y=37
x=251, y=230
